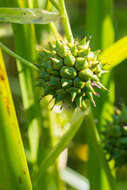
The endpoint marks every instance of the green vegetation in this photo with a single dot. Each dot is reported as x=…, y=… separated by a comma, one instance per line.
x=60, y=131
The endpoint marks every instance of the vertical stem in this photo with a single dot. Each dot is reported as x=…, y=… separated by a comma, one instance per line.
x=98, y=170
x=24, y=36
x=65, y=21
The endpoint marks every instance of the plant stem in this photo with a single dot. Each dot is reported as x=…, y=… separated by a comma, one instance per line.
x=54, y=30
x=52, y=25
x=55, y=4
x=61, y=145
x=13, y=54
x=65, y=21
x=98, y=173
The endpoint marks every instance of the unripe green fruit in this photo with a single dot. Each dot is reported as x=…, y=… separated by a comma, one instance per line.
x=83, y=52
x=91, y=56
x=74, y=50
x=66, y=82
x=54, y=81
x=47, y=65
x=55, y=73
x=69, y=60
x=81, y=63
x=57, y=64
x=85, y=74
x=78, y=83
x=68, y=72
x=61, y=49
x=114, y=137
x=44, y=75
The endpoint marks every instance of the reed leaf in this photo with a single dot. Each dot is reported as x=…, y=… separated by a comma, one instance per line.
x=99, y=21
x=115, y=54
x=27, y=16
x=75, y=123
x=101, y=177
x=14, y=172
x=25, y=41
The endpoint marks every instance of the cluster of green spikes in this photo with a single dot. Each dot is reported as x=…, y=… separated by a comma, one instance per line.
x=70, y=72
x=114, y=136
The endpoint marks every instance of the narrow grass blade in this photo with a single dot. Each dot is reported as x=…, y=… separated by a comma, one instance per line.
x=99, y=173
x=14, y=172
x=13, y=54
x=105, y=109
x=115, y=54
x=74, y=179
x=25, y=41
x=94, y=17
x=55, y=4
x=27, y=16
x=77, y=119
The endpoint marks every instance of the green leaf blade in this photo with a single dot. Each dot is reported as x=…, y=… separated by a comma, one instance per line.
x=14, y=172
x=27, y=16
x=115, y=54
x=75, y=123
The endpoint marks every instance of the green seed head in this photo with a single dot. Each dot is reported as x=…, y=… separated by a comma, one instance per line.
x=114, y=137
x=70, y=72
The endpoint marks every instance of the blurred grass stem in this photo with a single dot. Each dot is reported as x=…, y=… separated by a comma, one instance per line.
x=13, y=54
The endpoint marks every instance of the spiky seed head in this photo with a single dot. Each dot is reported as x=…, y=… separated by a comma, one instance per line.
x=70, y=72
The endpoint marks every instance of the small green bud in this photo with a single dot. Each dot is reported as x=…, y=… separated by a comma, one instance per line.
x=44, y=75
x=55, y=73
x=60, y=91
x=59, y=98
x=83, y=42
x=69, y=60
x=85, y=74
x=68, y=72
x=81, y=63
x=83, y=52
x=47, y=66
x=61, y=49
x=45, y=54
x=73, y=91
x=74, y=50
x=91, y=56
x=98, y=69
x=54, y=81
x=78, y=100
x=66, y=82
x=41, y=83
x=78, y=83
x=83, y=45
x=48, y=91
x=52, y=46
x=57, y=64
